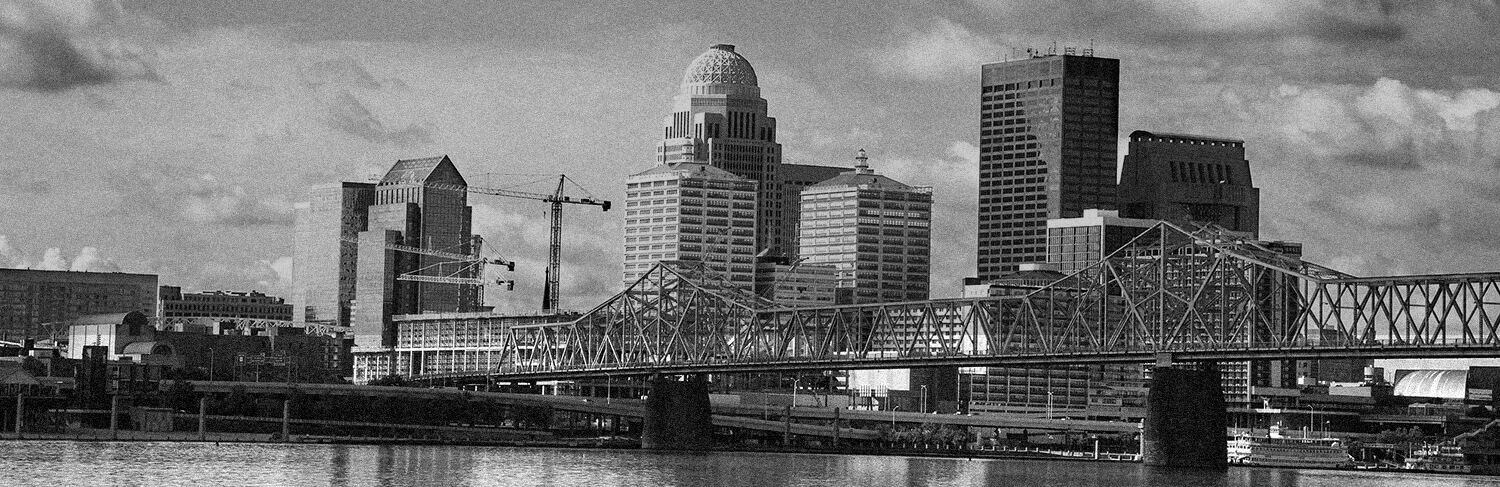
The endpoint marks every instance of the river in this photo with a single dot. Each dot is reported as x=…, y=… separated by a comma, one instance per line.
x=62, y=463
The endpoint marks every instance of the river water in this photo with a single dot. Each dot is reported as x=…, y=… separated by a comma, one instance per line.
x=48, y=463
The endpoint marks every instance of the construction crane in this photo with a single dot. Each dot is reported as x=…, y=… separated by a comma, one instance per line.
x=551, y=290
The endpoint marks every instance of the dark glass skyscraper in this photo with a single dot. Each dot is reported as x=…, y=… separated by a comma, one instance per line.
x=1047, y=129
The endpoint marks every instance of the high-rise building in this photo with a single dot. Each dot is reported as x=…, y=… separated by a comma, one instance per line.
x=693, y=213
x=327, y=229
x=1189, y=178
x=795, y=285
x=719, y=119
x=876, y=232
x=29, y=298
x=356, y=241
x=1047, y=130
x=1076, y=243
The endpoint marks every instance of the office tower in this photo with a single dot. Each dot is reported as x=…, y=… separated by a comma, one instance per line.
x=1076, y=243
x=1046, y=150
x=327, y=227
x=1189, y=178
x=693, y=213
x=795, y=285
x=719, y=119
x=874, y=230
x=29, y=298
x=367, y=252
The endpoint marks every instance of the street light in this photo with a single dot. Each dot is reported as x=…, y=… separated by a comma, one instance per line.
x=924, y=398
x=894, y=407
x=1049, y=405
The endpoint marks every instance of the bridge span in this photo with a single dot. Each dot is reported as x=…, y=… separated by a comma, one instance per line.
x=1170, y=295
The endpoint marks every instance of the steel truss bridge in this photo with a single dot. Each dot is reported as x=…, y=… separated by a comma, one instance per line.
x=1187, y=295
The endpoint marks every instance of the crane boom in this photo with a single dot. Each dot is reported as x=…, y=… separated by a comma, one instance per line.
x=551, y=289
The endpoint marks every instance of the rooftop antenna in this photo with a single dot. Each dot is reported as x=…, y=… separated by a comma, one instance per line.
x=1090, y=51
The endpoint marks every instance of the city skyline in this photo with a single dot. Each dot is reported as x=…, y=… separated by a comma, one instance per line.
x=190, y=129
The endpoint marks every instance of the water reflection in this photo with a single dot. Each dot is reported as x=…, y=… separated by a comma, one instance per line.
x=198, y=464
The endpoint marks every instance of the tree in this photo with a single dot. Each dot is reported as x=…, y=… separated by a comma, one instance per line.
x=181, y=397
x=390, y=380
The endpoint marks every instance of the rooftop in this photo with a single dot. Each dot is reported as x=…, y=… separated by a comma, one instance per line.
x=720, y=65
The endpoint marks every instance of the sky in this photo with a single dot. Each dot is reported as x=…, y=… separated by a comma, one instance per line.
x=173, y=137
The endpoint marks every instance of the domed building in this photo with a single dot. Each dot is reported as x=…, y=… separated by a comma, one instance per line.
x=719, y=119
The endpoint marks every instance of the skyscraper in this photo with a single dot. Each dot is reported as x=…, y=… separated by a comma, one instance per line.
x=1046, y=150
x=875, y=232
x=719, y=119
x=1189, y=178
x=327, y=226
x=692, y=213
x=355, y=240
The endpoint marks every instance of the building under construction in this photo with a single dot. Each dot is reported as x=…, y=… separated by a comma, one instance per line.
x=369, y=254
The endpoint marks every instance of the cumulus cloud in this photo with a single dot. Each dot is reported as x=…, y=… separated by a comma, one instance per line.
x=89, y=260
x=944, y=49
x=10, y=257
x=56, y=45
x=343, y=72
x=52, y=260
x=347, y=114
x=955, y=186
x=209, y=200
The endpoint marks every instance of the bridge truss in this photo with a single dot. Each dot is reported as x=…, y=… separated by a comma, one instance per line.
x=1189, y=295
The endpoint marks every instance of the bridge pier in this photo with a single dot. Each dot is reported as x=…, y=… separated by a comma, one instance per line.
x=1185, y=419
x=678, y=415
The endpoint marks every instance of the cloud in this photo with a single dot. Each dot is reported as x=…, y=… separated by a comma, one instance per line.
x=347, y=114
x=89, y=260
x=955, y=184
x=943, y=49
x=52, y=260
x=209, y=200
x=52, y=46
x=10, y=257
x=342, y=72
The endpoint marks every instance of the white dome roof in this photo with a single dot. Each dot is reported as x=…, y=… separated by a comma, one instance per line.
x=719, y=65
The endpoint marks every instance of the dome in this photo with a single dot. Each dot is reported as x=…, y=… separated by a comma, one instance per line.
x=719, y=65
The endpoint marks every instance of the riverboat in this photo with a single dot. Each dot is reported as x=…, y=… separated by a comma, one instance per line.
x=1274, y=450
x=1438, y=458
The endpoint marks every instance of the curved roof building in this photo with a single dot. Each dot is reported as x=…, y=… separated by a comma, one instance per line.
x=1437, y=384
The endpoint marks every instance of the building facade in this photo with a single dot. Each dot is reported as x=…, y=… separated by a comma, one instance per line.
x=29, y=298
x=694, y=213
x=719, y=119
x=1076, y=243
x=1189, y=178
x=221, y=304
x=796, y=285
x=1046, y=150
x=327, y=231
x=874, y=231
x=368, y=252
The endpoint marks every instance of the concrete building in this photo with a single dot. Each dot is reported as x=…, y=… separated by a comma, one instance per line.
x=280, y=353
x=327, y=229
x=1076, y=243
x=876, y=232
x=1189, y=178
x=691, y=212
x=29, y=298
x=363, y=250
x=795, y=285
x=719, y=119
x=1046, y=150
x=221, y=304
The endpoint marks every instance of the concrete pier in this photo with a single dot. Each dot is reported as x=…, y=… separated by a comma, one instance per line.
x=1185, y=420
x=678, y=415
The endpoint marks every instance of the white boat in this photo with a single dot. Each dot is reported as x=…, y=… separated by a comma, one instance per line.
x=1438, y=458
x=1274, y=450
